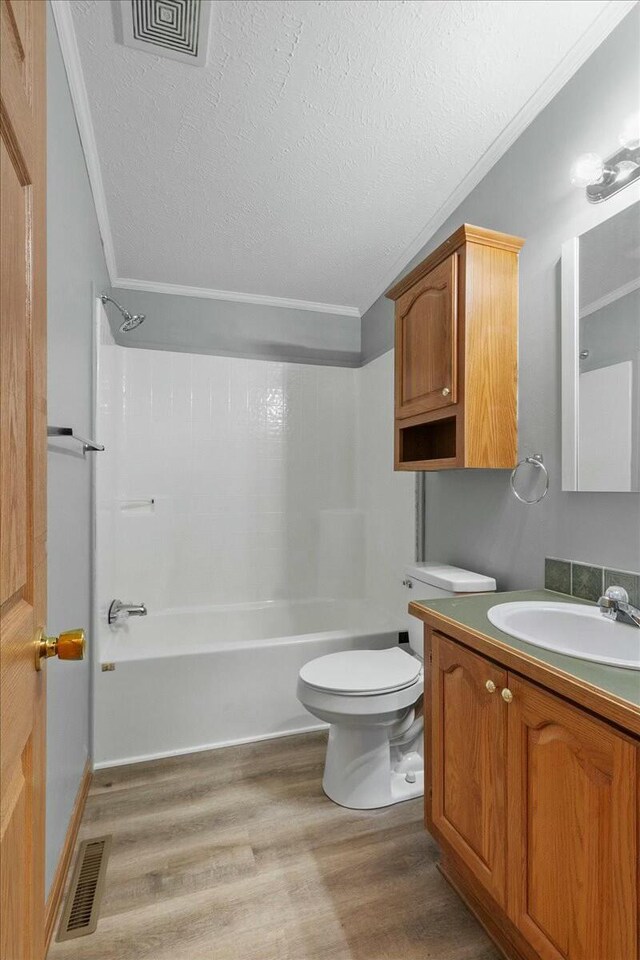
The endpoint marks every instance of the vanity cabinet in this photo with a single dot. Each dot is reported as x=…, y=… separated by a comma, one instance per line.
x=572, y=829
x=469, y=742
x=535, y=804
x=456, y=355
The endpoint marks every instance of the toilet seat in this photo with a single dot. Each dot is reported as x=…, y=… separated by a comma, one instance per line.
x=362, y=673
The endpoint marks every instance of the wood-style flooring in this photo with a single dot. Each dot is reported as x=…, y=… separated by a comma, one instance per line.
x=236, y=854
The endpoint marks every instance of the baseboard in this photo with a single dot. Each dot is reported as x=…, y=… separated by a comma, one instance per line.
x=203, y=747
x=54, y=900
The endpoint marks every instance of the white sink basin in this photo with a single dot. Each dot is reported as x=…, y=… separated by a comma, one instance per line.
x=570, y=628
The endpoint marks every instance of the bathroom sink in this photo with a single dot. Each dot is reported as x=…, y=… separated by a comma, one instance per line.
x=576, y=630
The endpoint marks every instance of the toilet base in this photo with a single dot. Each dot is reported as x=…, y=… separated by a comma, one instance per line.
x=363, y=771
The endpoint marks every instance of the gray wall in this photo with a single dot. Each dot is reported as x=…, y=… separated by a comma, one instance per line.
x=75, y=263
x=195, y=325
x=471, y=517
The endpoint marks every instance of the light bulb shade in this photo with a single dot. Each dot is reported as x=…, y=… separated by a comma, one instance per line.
x=587, y=169
x=630, y=133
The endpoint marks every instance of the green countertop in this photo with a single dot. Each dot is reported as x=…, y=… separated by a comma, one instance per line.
x=471, y=611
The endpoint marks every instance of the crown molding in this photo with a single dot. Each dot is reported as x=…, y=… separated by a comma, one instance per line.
x=204, y=293
x=73, y=66
x=590, y=40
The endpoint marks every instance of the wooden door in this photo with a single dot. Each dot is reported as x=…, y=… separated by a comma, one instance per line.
x=468, y=756
x=22, y=476
x=573, y=830
x=426, y=342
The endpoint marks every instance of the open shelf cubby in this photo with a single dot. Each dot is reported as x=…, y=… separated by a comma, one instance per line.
x=423, y=442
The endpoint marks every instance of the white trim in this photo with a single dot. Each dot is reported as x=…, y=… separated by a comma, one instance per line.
x=143, y=758
x=73, y=66
x=570, y=344
x=590, y=40
x=176, y=290
x=611, y=297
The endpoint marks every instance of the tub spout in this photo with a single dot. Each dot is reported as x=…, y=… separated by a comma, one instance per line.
x=122, y=611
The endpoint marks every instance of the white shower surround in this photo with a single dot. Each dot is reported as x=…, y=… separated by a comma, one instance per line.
x=275, y=502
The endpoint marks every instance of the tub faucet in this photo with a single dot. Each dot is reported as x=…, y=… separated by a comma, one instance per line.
x=615, y=605
x=122, y=611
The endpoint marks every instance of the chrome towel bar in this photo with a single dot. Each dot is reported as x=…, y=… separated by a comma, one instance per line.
x=87, y=445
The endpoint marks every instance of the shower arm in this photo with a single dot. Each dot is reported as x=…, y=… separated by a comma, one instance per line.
x=107, y=299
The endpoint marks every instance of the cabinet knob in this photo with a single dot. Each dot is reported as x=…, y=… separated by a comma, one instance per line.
x=507, y=696
x=445, y=391
x=490, y=685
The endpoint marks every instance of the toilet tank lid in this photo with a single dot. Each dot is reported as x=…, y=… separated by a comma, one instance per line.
x=450, y=578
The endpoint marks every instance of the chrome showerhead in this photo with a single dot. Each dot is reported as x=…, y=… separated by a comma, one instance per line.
x=131, y=320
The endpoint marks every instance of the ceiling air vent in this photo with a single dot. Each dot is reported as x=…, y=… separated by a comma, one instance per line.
x=178, y=29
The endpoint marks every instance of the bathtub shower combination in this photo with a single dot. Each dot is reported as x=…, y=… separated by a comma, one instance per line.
x=233, y=502
x=196, y=680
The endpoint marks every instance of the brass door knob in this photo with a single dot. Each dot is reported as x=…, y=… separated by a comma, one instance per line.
x=70, y=645
x=490, y=685
x=507, y=696
x=445, y=391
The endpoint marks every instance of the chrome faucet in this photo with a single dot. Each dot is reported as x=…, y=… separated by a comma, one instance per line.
x=615, y=605
x=122, y=611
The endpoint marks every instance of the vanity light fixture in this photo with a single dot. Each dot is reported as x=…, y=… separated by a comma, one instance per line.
x=603, y=178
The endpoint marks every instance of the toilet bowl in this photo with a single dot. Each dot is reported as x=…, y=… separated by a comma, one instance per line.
x=370, y=699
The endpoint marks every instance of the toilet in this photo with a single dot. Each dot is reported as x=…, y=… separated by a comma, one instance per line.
x=371, y=698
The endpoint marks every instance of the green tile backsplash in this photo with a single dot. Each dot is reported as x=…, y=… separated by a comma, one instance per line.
x=557, y=575
x=588, y=582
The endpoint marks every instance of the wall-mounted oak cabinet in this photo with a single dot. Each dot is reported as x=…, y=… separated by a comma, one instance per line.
x=456, y=350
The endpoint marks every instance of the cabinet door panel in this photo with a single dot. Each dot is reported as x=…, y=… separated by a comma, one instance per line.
x=468, y=756
x=573, y=824
x=426, y=348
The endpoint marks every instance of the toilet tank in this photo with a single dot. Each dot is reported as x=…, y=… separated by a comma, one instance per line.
x=427, y=581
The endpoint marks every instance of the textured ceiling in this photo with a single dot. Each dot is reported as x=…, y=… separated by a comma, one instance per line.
x=317, y=143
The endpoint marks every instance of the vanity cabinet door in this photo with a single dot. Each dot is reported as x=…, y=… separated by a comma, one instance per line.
x=573, y=830
x=468, y=751
x=426, y=342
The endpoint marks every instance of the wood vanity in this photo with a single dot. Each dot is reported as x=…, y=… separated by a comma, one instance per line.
x=532, y=787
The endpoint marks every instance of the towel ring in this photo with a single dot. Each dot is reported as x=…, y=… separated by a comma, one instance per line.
x=535, y=461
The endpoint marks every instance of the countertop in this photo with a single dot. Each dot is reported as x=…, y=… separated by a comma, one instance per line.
x=470, y=613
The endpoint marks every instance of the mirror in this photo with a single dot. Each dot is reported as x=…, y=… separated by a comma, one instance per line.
x=601, y=356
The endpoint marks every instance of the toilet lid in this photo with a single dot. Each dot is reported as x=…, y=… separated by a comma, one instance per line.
x=360, y=672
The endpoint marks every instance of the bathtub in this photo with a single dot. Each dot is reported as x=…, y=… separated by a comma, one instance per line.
x=188, y=680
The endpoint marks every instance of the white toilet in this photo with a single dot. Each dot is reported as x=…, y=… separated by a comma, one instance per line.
x=374, y=754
